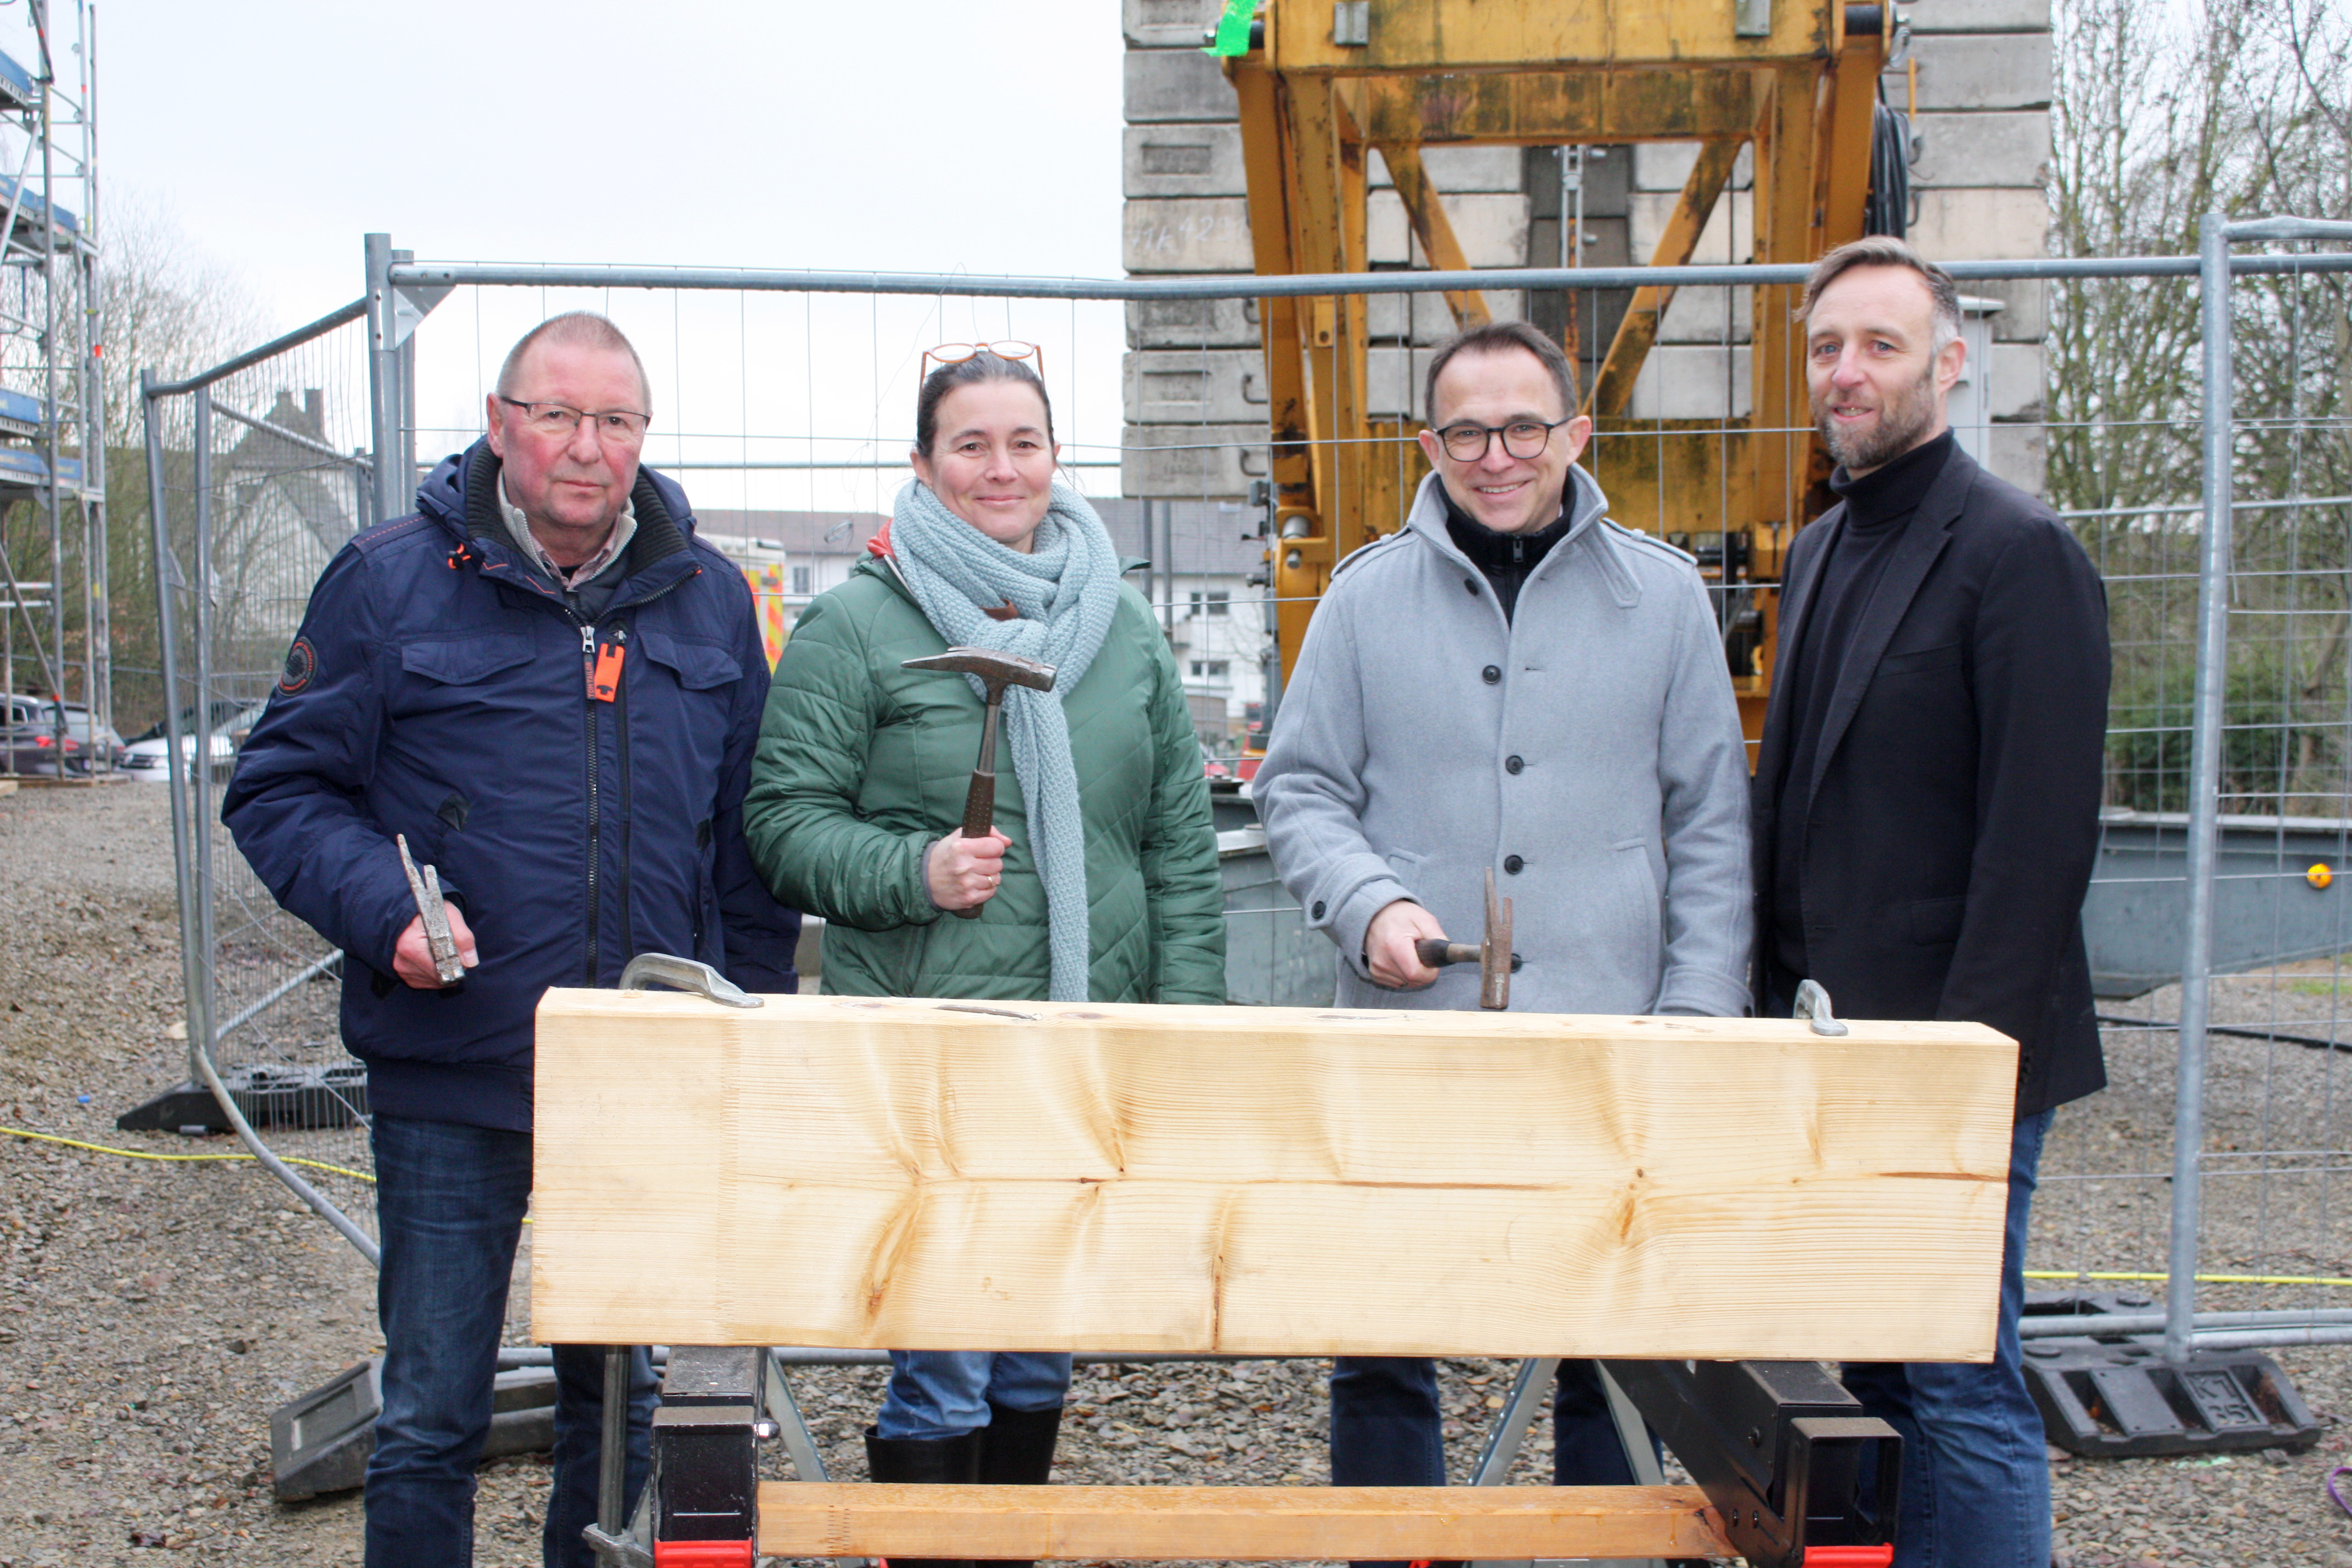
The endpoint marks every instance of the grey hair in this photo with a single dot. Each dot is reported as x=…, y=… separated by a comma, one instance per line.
x=575, y=328
x=1885, y=250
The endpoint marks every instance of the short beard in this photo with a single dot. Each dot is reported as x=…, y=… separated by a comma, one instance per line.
x=1901, y=423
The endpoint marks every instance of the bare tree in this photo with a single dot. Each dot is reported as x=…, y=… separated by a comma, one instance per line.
x=2163, y=113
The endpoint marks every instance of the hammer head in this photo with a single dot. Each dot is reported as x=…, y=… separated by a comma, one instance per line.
x=1495, y=953
x=997, y=671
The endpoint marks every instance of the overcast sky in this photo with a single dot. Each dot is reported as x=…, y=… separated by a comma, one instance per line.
x=920, y=135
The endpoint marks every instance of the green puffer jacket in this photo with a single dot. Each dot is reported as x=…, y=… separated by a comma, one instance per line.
x=863, y=765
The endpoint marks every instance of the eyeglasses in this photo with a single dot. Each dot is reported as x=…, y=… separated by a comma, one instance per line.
x=1522, y=438
x=617, y=426
x=956, y=353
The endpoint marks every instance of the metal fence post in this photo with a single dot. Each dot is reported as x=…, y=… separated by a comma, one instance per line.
x=200, y=770
x=384, y=395
x=2204, y=795
x=199, y=1016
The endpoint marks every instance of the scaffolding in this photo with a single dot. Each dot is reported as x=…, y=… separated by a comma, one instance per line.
x=54, y=668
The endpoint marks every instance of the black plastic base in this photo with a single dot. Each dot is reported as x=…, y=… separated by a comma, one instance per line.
x=320, y=1442
x=2115, y=1396
x=287, y=1097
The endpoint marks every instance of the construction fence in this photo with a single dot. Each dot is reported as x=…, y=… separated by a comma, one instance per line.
x=2218, y=508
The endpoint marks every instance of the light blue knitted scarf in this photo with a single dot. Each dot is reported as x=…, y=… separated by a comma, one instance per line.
x=1066, y=590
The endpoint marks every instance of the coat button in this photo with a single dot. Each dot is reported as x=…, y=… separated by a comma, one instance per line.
x=1512, y=863
x=1318, y=911
x=1490, y=675
x=1470, y=584
x=1512, y=764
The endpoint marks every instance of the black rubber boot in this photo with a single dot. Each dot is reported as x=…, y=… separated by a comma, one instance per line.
x=1016, y=1447
x=928, y=1460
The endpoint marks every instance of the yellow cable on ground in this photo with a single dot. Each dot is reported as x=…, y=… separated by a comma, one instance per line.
x=2201, y=1278
x=143, y=1154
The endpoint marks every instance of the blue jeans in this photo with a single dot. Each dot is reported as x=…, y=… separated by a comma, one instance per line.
x=935, y=1394
x=1975, y=1470
x=449, y=1208
x=1386, y=1431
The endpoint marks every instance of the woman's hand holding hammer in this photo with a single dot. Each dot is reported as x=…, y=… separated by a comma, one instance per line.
x=963, y=873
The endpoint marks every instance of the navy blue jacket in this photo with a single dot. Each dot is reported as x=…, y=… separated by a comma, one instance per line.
x=441, y=690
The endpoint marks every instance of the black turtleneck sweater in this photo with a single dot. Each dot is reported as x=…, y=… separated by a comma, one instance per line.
x=1878, y=506
x=1506, y=559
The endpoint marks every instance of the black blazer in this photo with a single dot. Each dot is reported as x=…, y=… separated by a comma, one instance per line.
x=1952, y=817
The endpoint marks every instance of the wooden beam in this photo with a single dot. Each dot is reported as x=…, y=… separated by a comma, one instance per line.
x=1235, y=1523
x=1613, y=387
x=862, y=1172
x=1424, y=208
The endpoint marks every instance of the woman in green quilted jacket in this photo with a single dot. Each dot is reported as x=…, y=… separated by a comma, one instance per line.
x=1100, y=880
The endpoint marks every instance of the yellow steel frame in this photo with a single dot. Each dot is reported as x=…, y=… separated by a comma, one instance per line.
x=1545, y=73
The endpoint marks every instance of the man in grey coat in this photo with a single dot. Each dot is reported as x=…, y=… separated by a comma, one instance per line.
x=1511, y=682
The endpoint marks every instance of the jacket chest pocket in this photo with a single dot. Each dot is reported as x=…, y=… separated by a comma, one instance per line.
x=462, y=673
x=686, y=696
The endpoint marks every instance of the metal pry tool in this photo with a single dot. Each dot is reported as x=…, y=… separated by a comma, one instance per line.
x=426, y=886
x=1492, y=956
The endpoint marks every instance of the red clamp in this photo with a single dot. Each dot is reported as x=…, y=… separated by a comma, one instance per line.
x=702, y=1554
x=1850, y=1557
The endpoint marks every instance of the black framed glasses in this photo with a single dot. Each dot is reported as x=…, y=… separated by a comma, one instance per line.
x=618, y=426
x=956, y=353
x=1522, y=438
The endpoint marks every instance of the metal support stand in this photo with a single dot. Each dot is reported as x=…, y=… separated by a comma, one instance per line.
x=1508, y=1435
x=613, y=1457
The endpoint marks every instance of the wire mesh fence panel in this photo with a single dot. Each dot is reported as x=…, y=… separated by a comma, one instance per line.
x=258, y=479
x=1236, y=480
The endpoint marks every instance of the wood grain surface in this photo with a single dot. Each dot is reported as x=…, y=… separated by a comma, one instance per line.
x=859, y=1173
x=1235, y=1523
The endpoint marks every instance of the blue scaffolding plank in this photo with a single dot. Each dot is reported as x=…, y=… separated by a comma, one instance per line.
x=17, y=85
x=21, y=468
x=30, y=213
x=21, y=414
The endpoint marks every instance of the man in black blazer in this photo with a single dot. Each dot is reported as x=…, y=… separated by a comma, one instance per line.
x=1928, y=814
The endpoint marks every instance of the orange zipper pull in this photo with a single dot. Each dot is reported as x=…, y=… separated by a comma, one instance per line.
x=607, y=682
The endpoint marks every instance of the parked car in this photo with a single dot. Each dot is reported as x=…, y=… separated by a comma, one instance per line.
x=30, y=746
x=148, y=756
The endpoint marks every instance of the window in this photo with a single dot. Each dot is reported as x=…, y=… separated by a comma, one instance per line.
x=1211, y=670
x=1212, y=602
x=803, y=579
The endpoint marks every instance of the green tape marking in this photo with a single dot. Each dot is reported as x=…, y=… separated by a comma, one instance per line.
x=1233, y=29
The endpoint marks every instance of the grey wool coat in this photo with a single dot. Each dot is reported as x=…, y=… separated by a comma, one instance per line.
x=1588, y=750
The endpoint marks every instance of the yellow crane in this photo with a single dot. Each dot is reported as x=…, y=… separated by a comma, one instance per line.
x=1323, y=84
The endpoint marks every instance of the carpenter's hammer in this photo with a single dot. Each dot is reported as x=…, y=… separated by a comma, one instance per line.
x=996, y=670
x=1492, y=956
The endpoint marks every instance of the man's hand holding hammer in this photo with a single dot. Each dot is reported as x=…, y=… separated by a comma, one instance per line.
x=963, y=873
x=1389, y=944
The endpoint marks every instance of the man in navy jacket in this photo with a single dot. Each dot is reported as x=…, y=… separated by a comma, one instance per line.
x=553, y=689
x=1926, y=815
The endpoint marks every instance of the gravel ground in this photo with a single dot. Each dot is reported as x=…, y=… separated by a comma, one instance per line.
x=151, y=1313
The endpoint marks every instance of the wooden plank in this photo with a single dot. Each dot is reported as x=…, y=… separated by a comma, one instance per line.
x=867, y=1173
x=1235, y=1523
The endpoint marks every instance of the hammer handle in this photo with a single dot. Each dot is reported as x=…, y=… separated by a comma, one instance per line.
x=978, y=820
x=1436, y=952
x=979, y=805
